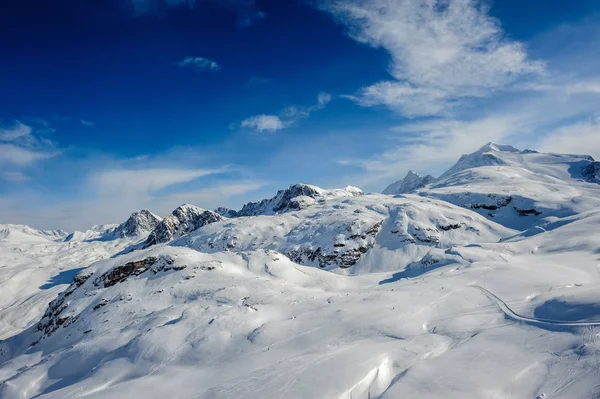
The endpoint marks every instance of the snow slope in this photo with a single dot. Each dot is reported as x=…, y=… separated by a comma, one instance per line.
x=36, y=265
x=350, y=296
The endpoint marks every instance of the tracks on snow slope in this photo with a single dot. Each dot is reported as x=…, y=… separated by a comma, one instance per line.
x=532, y=320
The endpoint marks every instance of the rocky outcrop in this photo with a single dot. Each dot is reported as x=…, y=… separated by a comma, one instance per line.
x=498, y=202
x=139, y=223
x=123, y=272
x=411, y=182
x=183, y=220
x=344, y=252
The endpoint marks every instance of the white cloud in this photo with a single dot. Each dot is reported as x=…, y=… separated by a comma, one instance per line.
x=441, y=51
x=12, y=154
x=429, y=147
x=287, y=117
x=578, y=138
x=261, y=123
x=19, y=147
x=199, y=64
x=142, y=182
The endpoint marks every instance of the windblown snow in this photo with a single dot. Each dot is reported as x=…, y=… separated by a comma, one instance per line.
x=482, y=283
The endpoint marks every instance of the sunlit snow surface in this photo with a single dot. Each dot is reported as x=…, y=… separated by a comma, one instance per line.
x=445, y=303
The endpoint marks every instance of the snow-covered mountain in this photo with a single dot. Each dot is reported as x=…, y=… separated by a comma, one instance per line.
x=295, y=197
x=411, y=182
x=481, y=283
x=519, y=189
x=183, y=220
x=139, y=223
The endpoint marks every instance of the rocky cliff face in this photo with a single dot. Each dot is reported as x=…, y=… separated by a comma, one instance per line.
x=183, y=220
x=591, y=172
x=140, y=222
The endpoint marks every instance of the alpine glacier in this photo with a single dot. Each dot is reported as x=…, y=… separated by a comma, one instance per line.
x=480, y=283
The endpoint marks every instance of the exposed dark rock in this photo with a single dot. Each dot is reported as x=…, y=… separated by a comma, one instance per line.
x=591, y=172
x=500, y=203
x=136, y=268
x=184, y=220
x=527, y=212
x=450, y=226
x=354, y=247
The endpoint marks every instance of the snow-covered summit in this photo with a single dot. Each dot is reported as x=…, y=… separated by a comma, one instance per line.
x=295, y=197
x=562, y=166
x=411, y=182
x=519, y=188
x=139, y=223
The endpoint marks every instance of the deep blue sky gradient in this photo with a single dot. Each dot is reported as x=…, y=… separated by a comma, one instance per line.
x=64, y=61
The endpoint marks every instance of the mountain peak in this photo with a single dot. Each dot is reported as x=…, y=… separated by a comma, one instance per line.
x=497, y=147
x=140, y=222
x=411, y=182
x=184, y=219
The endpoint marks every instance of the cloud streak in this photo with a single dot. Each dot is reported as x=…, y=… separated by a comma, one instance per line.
x=286, y=118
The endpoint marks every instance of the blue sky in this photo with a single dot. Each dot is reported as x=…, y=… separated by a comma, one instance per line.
x=114, y=105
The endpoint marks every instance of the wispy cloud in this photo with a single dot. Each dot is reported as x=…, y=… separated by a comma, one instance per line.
x=20, y=147
x=14, y=176
x=441, y=51
x=87, y=123
x=199, y=64
x=286, y=118
x=577, y=138
x=143, y=182
x=14, y=132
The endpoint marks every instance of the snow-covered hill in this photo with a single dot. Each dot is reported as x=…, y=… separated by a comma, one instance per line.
x=481, y=283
